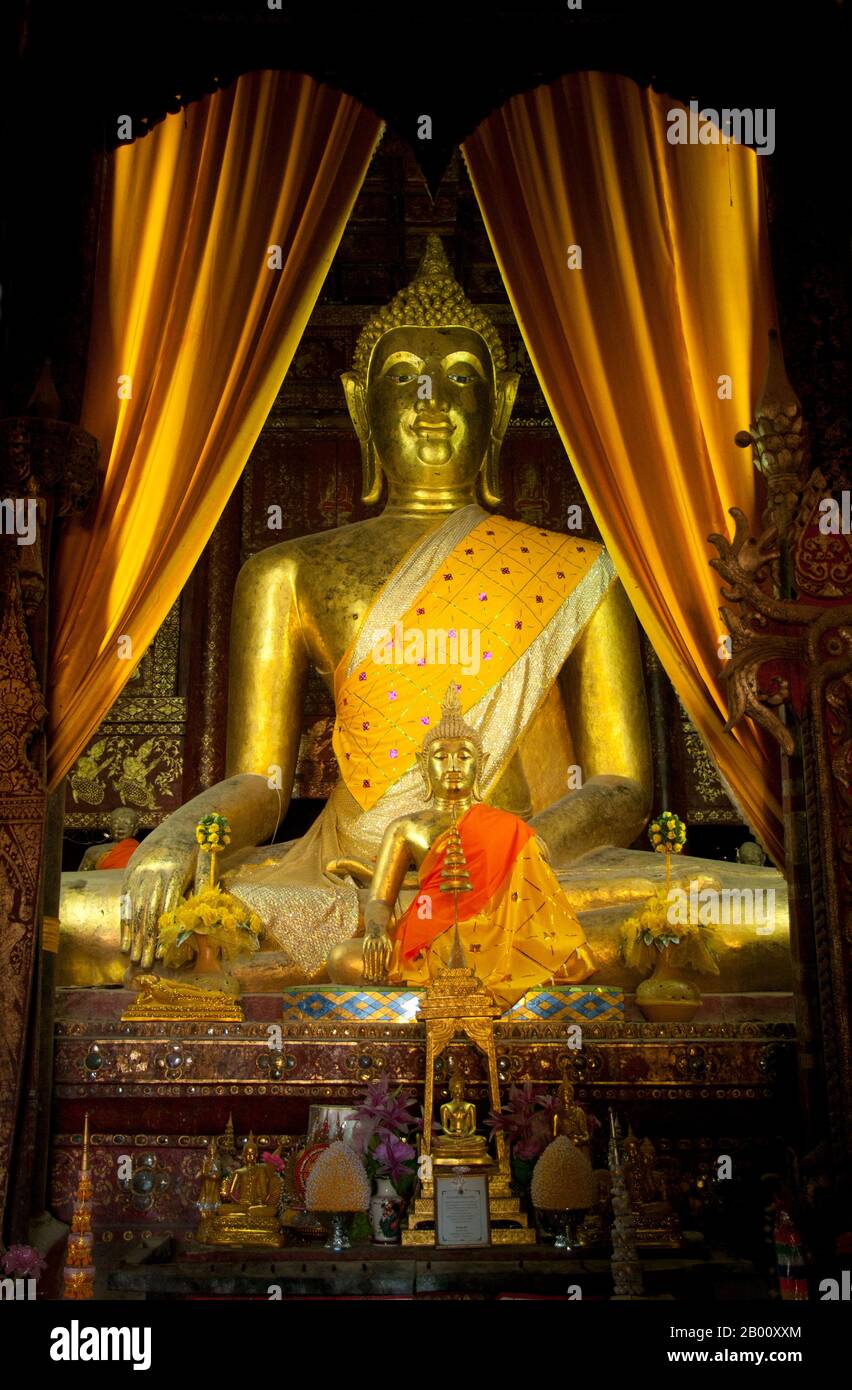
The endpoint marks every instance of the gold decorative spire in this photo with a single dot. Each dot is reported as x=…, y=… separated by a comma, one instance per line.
x=78, y=1275
x=434, y=298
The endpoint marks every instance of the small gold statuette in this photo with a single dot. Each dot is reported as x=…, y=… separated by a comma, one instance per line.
x=570, y=1118
x=459, y=1144
x=248, y=1203
x=212, y=1172
x=657, y=1223
x=172, y=999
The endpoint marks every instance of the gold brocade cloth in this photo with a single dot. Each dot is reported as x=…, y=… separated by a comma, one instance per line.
x=487, y=603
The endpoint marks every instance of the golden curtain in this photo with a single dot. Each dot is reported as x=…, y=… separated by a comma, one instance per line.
x=633, y=351
x=193, y=330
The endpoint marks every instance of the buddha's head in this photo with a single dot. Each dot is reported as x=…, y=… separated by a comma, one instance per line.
x=456, y=1085
x=123, y=823
x=250, y=1152
x=451, y=757
x=429, y=394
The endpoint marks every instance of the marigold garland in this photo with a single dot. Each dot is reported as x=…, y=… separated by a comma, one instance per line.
x=650, y=931
x=229, y=924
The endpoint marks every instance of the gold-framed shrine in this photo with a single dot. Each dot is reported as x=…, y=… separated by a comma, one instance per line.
x=388, y=728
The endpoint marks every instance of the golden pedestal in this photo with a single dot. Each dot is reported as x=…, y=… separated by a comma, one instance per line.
x=419, y=1228
x=458, y=1002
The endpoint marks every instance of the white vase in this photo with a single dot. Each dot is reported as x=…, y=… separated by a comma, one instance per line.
x=386, y=1212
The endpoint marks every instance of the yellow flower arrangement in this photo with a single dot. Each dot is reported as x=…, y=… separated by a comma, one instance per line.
x=213, y=832
x=651, y=930
x=667, y=833
x=228, y=923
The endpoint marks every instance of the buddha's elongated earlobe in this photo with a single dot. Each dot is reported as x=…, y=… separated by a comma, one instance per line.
x=372, y=475
x=477, y=790
x=423, y=764
x=504, y=399
x=355, y=390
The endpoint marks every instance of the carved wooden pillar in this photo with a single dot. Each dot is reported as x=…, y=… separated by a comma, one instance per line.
x=47, y=469
x=791, y=671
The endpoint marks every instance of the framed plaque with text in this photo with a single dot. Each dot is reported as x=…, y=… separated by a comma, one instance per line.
x=461, y=1210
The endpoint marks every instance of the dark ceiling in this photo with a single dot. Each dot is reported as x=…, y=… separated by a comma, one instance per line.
x=68, y=70
x=456, y=62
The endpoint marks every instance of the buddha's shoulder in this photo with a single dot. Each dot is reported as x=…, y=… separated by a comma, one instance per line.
x=321, y=547
x=301, y=552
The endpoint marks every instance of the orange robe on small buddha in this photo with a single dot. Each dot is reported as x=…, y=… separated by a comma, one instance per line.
x=516, y=925
x=119, y=856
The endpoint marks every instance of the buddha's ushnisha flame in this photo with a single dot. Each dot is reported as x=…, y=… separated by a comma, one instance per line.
x=434, y=299
x=451, y=724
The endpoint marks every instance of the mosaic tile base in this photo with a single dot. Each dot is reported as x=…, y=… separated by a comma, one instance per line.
x=382, y=1004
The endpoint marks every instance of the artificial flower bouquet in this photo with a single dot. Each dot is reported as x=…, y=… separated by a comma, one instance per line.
x=384, y=1132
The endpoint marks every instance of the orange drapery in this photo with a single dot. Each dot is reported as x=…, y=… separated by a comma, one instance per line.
x=674, y=293
x=196, y=328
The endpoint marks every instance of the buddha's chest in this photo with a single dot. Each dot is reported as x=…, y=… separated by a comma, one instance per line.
x=339, y=588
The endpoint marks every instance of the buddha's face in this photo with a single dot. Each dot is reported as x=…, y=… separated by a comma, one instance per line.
x=430, y=405
x=452, y=765
x=249, y=1155
x=123, y=823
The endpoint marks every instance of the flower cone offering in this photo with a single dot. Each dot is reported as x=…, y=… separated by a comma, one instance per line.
x=338, y=1181
x=337, y=1184
x=562, y=1178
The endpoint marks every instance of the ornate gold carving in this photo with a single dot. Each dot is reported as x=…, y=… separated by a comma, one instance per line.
x=780, y=439
x=822, y=561
x=744, y=563
x=136, y=754
x=22, y=710
x=812, y=644
x=704, y=782
x=171, y=999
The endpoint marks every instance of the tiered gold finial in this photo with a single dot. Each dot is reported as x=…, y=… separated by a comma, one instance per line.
x=434, y=297
x=455, y=877
x=78, y=1275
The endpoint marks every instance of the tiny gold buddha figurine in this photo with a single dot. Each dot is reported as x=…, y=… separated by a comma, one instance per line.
x=248, y=1211
x=459, y=1142
x=657, y=1223
x=570, y=1118
x=515, y=923
x=208, y=1193
x=547, y=661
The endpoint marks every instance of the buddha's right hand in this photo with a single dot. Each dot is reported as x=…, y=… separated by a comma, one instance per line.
x=156, y=879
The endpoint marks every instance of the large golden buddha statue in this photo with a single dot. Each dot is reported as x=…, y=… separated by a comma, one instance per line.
x=532, y=625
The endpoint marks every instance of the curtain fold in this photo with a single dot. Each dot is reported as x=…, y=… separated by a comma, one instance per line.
x=633, y=351
x=195, y=323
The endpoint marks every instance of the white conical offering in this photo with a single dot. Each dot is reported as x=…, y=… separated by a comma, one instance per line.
x=338, y=1181
x=562, y=1178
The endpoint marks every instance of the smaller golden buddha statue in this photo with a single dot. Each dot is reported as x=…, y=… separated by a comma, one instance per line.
x=515, y=924
x=657, y=1223
x=459, y=1142
x=248, y=1214
x=570, y=1118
